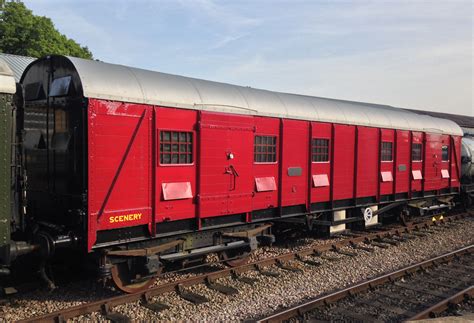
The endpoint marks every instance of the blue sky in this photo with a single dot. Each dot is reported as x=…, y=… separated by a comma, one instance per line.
x=413, y=54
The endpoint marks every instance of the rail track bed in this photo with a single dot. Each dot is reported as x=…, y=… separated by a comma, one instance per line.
x=224, y=281
x=416, y=292
x=464, y=309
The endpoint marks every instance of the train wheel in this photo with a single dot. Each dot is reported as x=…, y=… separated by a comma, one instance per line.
x=403, y=219
x=235, y=258
x=467, y=201
x=128, y=281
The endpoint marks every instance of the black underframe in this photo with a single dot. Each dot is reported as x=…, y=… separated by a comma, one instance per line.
x=169, y=229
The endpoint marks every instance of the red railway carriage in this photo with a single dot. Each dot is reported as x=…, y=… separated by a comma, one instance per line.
x=151, y=168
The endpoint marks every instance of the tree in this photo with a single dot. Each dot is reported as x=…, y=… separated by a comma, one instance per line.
x=23, y=33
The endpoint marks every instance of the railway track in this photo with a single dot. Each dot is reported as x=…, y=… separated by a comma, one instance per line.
x=366, y=241
x=440, y=282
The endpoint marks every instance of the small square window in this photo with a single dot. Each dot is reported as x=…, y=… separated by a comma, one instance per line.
x=166, y=159
x=165, y=135
x=319, y=150
x=416, y=152
x=387, y=151
x=264, y=149
x=176, y=147
x=174, y=159
x=445, y=153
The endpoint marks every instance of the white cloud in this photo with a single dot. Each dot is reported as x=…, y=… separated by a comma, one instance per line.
x=226, y=40
x=220, y=14
x=414, y=54
x=405, y=77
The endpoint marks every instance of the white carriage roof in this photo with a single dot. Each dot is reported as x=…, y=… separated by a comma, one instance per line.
x=17, y=63
x=7, y=80
x=117, y=82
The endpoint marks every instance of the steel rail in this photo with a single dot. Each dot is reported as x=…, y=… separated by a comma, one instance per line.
x=363, y=286
x=444, y=304
x=105, y=305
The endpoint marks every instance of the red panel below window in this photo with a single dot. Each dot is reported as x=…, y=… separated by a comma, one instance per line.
x=320, y=180
x=416, y=174
x=387, y=176
x=176, y=191
x=444, y=173
x=265, y=184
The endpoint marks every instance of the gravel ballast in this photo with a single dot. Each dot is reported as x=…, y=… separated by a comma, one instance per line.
x=267, y=295
x=413, y=294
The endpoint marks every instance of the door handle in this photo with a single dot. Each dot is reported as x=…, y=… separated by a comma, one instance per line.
x=232, y=171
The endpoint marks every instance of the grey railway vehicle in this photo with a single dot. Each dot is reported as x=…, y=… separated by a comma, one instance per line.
x=142, y=86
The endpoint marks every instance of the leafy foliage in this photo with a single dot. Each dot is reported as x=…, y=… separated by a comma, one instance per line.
x=23, y=33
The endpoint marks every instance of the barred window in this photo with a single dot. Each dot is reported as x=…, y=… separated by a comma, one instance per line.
x=416, y=152
x=445, y=153
x=176, y=147
x=386, y=153
x=319, y=150
x=265, y=149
